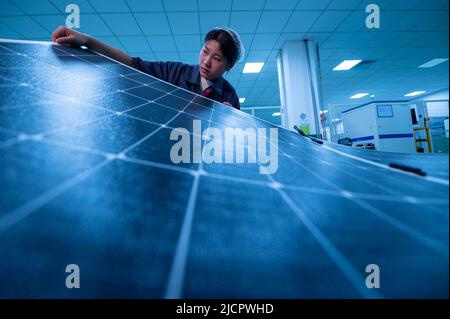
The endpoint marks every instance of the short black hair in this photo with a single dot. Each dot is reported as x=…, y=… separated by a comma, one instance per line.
x=228, y=45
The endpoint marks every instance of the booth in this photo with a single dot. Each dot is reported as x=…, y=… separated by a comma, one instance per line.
x=381, y=125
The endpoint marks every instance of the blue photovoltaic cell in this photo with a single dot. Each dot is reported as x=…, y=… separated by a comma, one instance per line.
x=87, y=179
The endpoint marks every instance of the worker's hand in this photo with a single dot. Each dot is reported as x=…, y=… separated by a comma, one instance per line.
x=66, y=36
x=227, y=103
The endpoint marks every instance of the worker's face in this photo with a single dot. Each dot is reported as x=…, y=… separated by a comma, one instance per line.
x=213, y=63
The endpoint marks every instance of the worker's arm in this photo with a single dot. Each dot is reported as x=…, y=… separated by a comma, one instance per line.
x=66, y=36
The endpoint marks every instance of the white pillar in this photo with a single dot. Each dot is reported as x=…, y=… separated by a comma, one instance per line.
x=298, y=76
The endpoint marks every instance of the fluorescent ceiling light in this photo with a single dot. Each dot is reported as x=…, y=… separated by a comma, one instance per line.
x=276, y=114
x=415, y=93
x=359, y=95
x=432, y=63
x=253, y=67
x=241, y=99
x=347, y=65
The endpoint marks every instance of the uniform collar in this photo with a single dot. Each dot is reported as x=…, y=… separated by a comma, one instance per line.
x=195, y=78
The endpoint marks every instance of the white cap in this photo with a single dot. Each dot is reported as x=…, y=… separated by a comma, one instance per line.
x=237, y=40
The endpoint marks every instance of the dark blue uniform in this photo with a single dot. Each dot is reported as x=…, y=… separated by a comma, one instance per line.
x=188, y=77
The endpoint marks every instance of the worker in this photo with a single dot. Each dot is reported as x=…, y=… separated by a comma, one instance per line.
x=222, y=49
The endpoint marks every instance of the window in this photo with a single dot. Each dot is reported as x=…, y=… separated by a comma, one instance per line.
x=437, y=108
x=384, y=111
x=413, y=115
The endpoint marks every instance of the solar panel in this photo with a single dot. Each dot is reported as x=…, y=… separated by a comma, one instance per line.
x=87, y=180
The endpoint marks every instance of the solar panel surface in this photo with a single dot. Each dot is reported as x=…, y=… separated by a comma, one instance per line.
x=87, y=179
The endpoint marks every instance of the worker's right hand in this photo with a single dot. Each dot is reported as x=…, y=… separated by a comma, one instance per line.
x=66, y=36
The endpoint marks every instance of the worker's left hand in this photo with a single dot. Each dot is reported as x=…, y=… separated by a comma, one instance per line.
x=227, y=103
